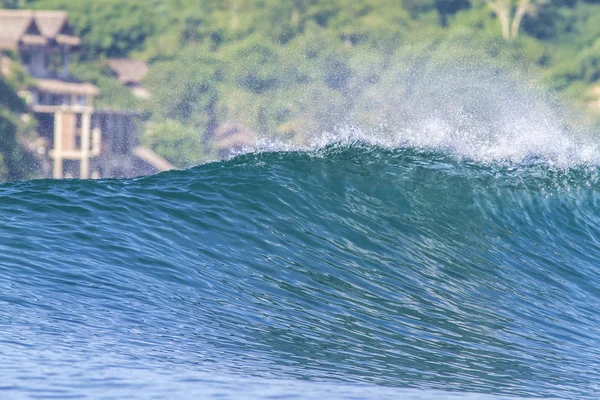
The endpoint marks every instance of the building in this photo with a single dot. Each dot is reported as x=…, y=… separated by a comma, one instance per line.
x=232, y=138
x=130, y=73
x=77, y=139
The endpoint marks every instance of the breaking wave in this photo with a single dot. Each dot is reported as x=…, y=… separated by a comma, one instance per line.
x=362, y=270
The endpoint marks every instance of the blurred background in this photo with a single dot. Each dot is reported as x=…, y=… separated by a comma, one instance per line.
x=189, y=80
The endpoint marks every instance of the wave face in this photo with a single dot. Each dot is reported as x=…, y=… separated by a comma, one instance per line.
x=356, y=270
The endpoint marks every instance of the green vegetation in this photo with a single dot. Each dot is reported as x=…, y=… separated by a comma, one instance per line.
x=286, y=69
x=14, y=163
x=10, y=105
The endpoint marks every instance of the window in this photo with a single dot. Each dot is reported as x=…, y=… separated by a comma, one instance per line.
x=25, y=57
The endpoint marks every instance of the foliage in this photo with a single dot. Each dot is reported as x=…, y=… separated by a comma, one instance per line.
x=180, y=144
x=113, y=94
x=11, y=105
x=9, y=3
x=112, y=28
x=288, y=69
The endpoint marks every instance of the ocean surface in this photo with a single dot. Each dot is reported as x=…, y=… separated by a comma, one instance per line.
x=350, y=271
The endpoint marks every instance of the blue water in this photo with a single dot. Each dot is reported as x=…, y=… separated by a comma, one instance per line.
x=352, y=272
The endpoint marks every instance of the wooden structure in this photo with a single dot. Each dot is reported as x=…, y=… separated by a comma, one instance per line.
x=74, y=139
x=79, y=140
x=44, y=40
x=130, y=73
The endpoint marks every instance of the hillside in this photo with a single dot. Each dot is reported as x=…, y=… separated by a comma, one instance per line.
x=15, y=163
x=282, y=70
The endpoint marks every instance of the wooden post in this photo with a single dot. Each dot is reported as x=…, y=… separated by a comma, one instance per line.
x=58, y=146
x=68, y=128
x=96, y=141
x=84, y=166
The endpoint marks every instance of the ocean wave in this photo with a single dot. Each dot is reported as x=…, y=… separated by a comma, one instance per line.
x=388, y=267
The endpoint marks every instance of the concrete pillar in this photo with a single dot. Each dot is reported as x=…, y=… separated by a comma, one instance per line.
x=86, y=123
x=96, y=141
x=58, y=146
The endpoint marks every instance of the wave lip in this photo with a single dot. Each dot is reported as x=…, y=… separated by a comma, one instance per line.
x=462, y=107
x=515, y=143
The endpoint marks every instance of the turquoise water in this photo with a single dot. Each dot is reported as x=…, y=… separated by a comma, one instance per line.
x=351, y=272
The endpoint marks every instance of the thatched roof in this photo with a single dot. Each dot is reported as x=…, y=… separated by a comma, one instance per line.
x=14, y=24
x=51, y=23
x=128, y=71
x=62, y=87
x=69, y=40
x=34, y=28
x=233, y=135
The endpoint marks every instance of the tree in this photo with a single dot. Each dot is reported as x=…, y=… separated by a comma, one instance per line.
x=511, y=13
x=12, y=164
